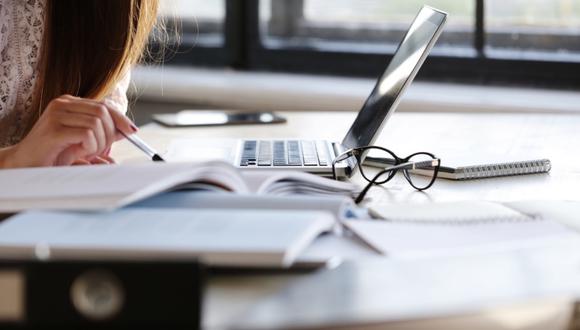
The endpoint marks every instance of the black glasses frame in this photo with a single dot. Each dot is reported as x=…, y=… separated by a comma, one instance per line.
x=399, y=164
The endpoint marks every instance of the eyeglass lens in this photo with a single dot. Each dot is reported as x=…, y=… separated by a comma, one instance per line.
x=421, y=177
x=424, y=174
x=376, y=153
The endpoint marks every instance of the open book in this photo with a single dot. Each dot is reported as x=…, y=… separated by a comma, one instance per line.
x=340, y=206
x=248, y=238
x=111, y=187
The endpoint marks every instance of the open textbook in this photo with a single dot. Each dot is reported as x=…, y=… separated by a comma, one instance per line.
x=339, y=206
x=251, y=238
x=111, y=187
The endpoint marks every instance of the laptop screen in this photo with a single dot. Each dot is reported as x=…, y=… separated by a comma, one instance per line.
x=405, y=64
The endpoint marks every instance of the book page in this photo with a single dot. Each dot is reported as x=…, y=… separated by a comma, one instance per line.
x=83, y=180
x=293, y=182
x=230, y=237
x=104, y=186
x=340, y=207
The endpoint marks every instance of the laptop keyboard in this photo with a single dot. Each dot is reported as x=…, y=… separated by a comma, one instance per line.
x=284, y=153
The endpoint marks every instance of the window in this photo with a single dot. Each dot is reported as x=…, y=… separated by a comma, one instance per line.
x=195, y=31
x=544, y=28
x=485, y=41
x=198, y=21
x=372, y=25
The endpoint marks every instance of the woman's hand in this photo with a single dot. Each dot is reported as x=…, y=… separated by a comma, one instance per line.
x=71, y=131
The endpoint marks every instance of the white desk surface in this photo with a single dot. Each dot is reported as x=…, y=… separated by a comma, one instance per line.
x=478, y=137
x=451, y=135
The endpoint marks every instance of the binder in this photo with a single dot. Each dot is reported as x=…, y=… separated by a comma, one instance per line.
x=99, y=294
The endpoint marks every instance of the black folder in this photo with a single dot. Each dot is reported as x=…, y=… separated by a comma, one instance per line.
x=100, y=294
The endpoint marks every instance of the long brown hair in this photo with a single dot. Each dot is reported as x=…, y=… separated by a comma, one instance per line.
x=89, y=44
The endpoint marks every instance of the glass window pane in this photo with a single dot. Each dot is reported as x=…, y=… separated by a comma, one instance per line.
x=534, y=26
x=199, y=21
x=371, y=23
x=193, y=9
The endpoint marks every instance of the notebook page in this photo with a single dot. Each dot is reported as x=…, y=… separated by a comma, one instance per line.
x=466, y=211
x=401, y=239
x=480, y=139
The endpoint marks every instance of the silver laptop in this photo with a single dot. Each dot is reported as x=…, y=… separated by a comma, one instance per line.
x=317, y=156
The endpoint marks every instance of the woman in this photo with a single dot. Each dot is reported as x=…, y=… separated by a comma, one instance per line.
x=64, y=73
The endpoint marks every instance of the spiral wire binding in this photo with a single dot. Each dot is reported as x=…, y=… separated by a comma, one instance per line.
x=506, y=169
x=470, y=221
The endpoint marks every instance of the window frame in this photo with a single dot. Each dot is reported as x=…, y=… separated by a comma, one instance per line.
x=244, y=50
x=189, y=52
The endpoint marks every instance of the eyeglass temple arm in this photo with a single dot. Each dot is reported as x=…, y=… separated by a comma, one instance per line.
x=366, y=189
x=405, y=166
x=415, y=165
x=342, y=157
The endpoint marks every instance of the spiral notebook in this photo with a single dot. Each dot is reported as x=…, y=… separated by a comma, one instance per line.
x=472, y=172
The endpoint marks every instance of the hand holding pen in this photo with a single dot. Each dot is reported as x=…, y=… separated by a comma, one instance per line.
x=70, y=130
x=139, y=143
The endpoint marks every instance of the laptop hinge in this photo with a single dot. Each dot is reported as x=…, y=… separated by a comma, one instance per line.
x=351, y=165
x=338, y=148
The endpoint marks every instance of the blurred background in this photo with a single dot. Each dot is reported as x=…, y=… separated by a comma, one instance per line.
x=331, y=51
x=538, y=36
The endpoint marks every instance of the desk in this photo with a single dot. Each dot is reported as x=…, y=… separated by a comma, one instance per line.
x=553, y=136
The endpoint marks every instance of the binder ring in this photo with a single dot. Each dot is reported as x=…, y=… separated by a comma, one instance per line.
x=97, y=295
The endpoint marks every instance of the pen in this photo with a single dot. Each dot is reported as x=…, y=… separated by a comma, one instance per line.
x=139, y=143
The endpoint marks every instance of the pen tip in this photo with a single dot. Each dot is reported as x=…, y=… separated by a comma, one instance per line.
x=157, y=158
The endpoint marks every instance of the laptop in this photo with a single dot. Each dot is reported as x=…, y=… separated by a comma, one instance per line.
x=316, y=156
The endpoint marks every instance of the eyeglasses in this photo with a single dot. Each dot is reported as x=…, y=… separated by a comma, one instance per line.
x=420, y=169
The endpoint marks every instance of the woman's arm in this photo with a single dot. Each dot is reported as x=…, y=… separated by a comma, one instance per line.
x=5, y=155
x=118, y=98
x=69, y=130
x=73, y=131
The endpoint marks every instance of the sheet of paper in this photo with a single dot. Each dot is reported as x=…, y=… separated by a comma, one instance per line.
x=401, y=239
x=567, y=212
x=332, y=249
x=230, y=237
x=465, y=211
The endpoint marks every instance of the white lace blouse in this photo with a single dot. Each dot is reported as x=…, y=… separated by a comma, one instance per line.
x=21, y=33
